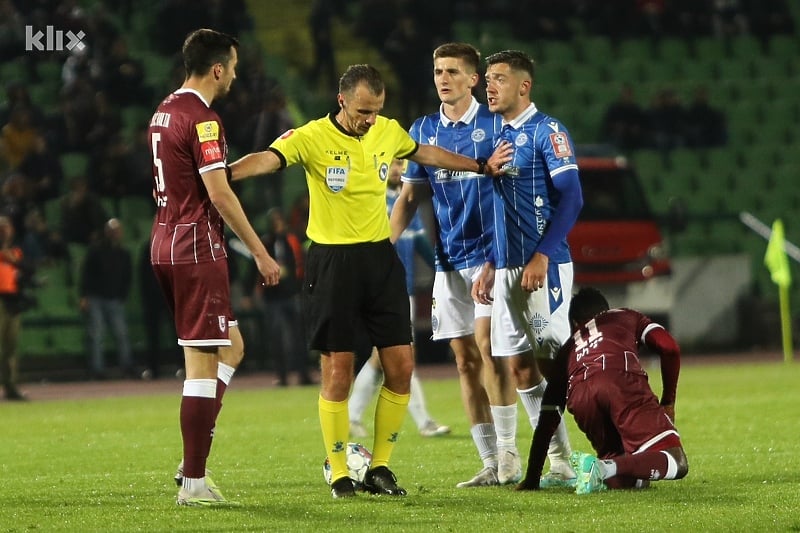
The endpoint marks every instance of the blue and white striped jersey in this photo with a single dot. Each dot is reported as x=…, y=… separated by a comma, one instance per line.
x=526, y=198
x=405, y=245
x=462, y=201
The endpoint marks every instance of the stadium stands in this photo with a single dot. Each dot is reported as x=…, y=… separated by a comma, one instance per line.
x=755, y=84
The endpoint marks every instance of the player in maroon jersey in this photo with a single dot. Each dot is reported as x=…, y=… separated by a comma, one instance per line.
x=598, y=376
x=194, y=200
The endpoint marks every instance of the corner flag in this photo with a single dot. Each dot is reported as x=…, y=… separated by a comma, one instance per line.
x=775, y=258
x=778, y=265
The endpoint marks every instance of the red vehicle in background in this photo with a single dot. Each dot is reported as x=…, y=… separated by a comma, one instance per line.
x=617, y=244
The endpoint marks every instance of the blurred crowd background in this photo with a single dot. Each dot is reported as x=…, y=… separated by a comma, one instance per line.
x=701, y=96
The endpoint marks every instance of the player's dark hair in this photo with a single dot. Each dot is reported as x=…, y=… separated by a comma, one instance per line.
x=586, y=304
x=463, y=51
x=356, y=74
x=516, y=59
x=204, y=48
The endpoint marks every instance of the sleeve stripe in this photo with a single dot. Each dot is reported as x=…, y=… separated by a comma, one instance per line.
x=559, y=170
x=214, y=166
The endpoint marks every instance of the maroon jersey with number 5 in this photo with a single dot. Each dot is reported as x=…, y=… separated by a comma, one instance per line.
x=186, y=139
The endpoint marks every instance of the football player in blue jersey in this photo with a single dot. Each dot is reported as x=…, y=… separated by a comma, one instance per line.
x=412, y=242
x=462, y=204
x=529, y=277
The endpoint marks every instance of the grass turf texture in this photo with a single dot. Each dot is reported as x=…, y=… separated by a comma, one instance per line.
x=107, y=465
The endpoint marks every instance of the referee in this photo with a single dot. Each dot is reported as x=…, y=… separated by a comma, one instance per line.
x=353, y=274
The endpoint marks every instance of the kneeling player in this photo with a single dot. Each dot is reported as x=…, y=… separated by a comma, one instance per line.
x=598, y=376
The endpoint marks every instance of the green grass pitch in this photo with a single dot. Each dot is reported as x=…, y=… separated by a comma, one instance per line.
x=107, y=465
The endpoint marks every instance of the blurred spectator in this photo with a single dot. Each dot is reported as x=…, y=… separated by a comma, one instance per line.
x=156, y=317
x=769, y=18
x=667, y=117
x=319, y=24
x=123, y=77
x=41, y=245
x=82, y=213
x=542, y=19
x=298, y=216
x=12, y=31
x=11, y=307
x=625, y=122
x=18, y=137
x=78, y=102
x=728, y=18
x=271, y=122
x=106, y=123
x=110, y=170
x=106, y=278
x=15, y=200
x=18, y=95
x=42, y=171
x=706, y=126
x=281, y=303
x=407, y=48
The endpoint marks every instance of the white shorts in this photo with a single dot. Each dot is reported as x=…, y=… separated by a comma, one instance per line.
x=537, y=320
x=453, y=311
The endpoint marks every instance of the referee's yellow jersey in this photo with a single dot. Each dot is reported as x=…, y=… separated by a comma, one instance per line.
x=346, y=176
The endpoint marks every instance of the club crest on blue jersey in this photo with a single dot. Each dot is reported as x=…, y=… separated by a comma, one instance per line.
x=522, y=139
x=383, y=172
x=538, y=323
x=478, y=135
x=336, y=178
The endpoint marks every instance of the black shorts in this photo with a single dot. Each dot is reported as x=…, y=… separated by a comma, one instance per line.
x=350, y=284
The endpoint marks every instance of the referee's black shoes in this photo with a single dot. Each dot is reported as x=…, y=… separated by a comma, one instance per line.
x=343, y=488
x=381, y=480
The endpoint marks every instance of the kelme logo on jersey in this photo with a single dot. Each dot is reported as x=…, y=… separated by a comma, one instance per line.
x=336, y=178
x=383, y=172
x=478, y=135
x=223, y=323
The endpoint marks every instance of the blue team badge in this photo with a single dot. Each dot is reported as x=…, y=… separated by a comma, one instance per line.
x=538, y=323
x=521, y=140
x=478, y=135
x=383, y=172
x=336, y=178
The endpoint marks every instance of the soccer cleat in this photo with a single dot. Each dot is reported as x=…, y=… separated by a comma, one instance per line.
x=381, y=480
x=509, y=468
x=555, y=480
x=179, y=476
x=432, y=429
x=561, y=475
x=206, y=497
x=588, y=478
x=485, y=478
x=357, y=429
x=343, y=488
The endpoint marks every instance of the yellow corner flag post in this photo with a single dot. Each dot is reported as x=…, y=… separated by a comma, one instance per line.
x=778, y=264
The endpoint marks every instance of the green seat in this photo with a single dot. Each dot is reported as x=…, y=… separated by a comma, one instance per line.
x=673, y=50
x=710, y=48
x=784, y=46
x=74, y=164
x=596, y=50
x=746, y=47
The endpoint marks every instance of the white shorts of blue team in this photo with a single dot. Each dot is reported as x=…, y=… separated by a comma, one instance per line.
x=453, y=311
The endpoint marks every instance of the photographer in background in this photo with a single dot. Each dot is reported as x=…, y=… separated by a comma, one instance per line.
x=12, y=304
